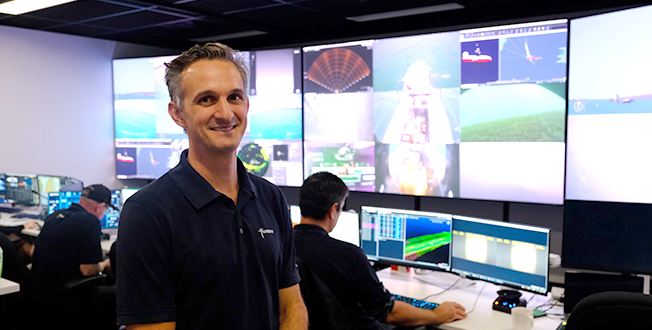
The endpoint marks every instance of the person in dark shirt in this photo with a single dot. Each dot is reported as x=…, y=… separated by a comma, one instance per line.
x=68, y=246
x=344, y=267
x=207, y=245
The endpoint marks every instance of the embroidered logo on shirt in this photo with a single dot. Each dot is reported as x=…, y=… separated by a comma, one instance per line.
x=265, y=231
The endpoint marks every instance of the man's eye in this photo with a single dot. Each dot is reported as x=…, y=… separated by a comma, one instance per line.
x=234, y=97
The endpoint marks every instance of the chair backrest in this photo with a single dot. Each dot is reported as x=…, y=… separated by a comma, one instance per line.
x=612, y=310
x=324, y=309
x=29, y=301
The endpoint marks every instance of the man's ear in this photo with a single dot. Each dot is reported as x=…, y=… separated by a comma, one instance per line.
x=175, y=113
x=332, y=211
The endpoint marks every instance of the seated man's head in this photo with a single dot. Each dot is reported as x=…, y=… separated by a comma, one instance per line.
x=96, y=199
x=322, y=198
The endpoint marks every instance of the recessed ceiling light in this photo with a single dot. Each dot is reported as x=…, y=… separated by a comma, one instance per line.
x=17, y=7
x=230, y=36
x=406, y=12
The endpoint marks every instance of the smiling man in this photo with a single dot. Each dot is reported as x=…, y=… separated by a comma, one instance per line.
x=208, y=246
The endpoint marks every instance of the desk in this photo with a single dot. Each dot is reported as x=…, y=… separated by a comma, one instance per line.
x=7, y=221
x=482, y=317
x=7, y=286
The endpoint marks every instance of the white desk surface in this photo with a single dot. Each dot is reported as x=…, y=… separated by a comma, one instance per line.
x=7, y=221
x=7, y=286
x=482, y=316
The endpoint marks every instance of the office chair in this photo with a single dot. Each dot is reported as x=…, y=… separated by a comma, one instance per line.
x=324, y=309
x=97, y=300
x=18, y=309
x=612, y=310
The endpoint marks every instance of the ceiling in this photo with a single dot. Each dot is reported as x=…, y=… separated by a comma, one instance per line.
x=174, y=23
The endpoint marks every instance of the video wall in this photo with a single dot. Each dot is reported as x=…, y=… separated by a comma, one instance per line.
x=148, y=142
x=610, y=108
x=474, y=114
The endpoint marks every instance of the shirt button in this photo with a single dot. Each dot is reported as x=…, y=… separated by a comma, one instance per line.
x=241, y=231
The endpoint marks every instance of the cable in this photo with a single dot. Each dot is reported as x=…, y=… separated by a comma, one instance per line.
x=440, y=292
x=476, y=299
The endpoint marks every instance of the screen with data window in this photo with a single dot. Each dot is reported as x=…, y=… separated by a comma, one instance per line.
x=63, y=200
x=413, y=238
x=501, y=252
x=21, y=189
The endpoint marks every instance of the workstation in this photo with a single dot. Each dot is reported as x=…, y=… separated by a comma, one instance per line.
x=525, y=164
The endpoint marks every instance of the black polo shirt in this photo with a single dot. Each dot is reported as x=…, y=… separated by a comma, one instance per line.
x=346, y=271
x=69, y=238
x=186, y=253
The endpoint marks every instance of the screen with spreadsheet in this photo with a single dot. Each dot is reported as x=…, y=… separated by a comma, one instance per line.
x=412, y=238
x=501, y=252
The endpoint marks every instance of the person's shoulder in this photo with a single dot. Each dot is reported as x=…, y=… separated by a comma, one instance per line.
x=154, y=190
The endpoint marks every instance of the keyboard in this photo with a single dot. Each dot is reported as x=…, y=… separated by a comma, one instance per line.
x=416, y=302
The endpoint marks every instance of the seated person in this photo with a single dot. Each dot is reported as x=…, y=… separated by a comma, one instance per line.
x=68, y=246
x=344, y=268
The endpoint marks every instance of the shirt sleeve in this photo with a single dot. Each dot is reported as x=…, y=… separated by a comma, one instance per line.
x=290, y=273
x=90, y=250
x=145, y=283
x=373, y=296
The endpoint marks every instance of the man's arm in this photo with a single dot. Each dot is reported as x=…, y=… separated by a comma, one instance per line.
x=94, y=269
x=404, y=314
x=293, y=313
x=153, y=326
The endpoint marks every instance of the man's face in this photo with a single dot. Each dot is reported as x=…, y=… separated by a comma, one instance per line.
x=215, y=105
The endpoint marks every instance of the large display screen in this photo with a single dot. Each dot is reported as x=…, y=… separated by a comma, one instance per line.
x=149, y=143
x=413, y=238
x=610, y=108
x=476, y=114
x=501, y=252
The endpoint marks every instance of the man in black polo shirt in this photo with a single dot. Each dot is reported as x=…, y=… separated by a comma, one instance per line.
x=68, y=246
x=208, y=246
x=344, y=267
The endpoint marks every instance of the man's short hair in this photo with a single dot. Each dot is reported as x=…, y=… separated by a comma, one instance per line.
x=319, y=192
x=209, y=51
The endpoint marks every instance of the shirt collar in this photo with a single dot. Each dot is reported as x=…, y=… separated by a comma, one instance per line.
x=310, y=229
x=198, y=191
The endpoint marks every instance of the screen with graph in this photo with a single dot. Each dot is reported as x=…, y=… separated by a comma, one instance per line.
x=413, y=238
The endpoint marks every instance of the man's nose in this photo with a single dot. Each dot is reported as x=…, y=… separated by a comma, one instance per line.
x=223, y=110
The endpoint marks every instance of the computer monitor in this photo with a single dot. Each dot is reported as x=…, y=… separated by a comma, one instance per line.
x=405, y=237
x=21, y=189
x=347, y=228
x=49, y=184
x=295, y=215
x=504, y=253
x=610, y=108
x=607, y=237
x=66, y=199
x=127, y=192
x=3, y=189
